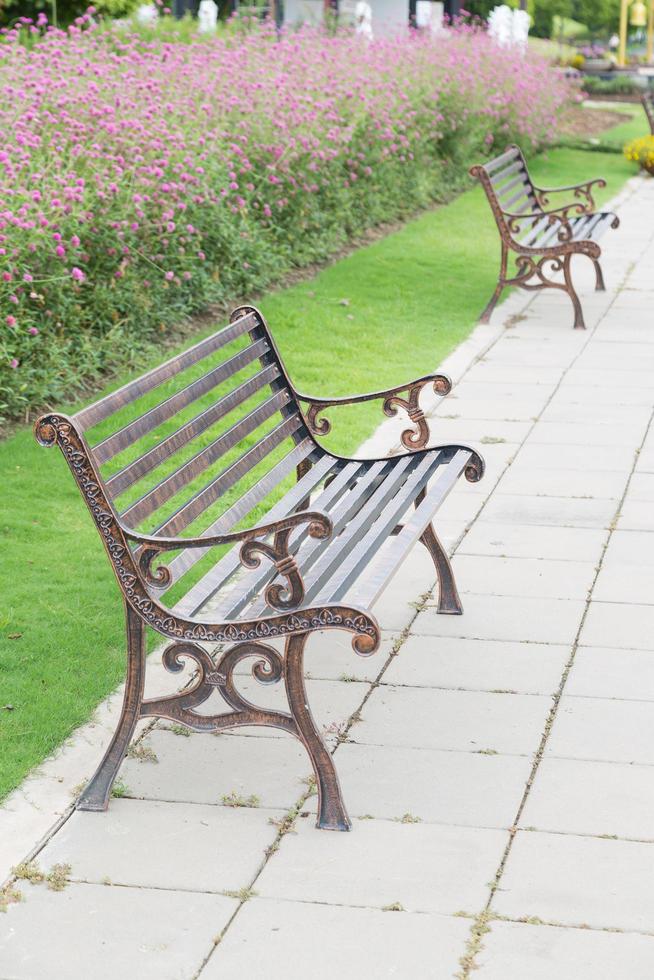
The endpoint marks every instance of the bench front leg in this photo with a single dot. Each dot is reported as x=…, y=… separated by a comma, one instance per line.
x=96, y=794
x=332, y=814
x=492, y=303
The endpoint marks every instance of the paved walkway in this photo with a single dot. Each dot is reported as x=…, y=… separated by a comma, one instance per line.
x=499, y=766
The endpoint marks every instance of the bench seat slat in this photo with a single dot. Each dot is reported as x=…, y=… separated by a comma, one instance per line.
x=373, y=584
x=354, y=476
x=391, y=486
x=188, y=471
x=106, y=406
x=165, y=410
x=150, y=460
x=362, y=538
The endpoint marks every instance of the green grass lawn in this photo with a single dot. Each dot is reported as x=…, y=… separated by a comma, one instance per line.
x=411, y=298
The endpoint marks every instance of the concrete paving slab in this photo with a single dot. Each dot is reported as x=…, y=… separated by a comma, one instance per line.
x=353, y=942
x=575, y=433
x=599, y=799
x=523, y=619
x=583, y=484
x=622, y=674
x=517, y=951
x=624, y=583
x=466, y=721
x=630, y=547
x=178, y=846
x=205, y=768
x=458, y=788
x=425, y=867
x=103, y=932
x=636, y=515
x=539, y=456
x=623, y=625
x=580, y=881
x=478, y=665
x=524, y=576
x=603, y=729
x=554, y=511
x=579, y=544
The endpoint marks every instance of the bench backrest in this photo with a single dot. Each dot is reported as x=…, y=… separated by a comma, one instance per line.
x=508, y=186
x=200, y=442
x=647, y=98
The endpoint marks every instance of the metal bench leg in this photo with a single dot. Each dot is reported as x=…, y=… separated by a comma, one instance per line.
x=569, y=288
x=96, y=794
x=486, y=315
x=332, y=814
x=599, y=277
x=449, y=603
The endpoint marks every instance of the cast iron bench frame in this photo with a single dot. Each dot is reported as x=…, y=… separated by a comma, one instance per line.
x=647, y=99
x=541, y=236
x=362, y=505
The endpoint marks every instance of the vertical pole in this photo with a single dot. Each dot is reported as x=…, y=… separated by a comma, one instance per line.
x=650, y=32
x=622, y=50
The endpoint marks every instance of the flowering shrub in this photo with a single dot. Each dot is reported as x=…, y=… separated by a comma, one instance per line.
x=641, y=151
x=140, y=181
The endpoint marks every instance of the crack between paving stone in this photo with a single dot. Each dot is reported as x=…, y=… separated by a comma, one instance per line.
x=481, y=925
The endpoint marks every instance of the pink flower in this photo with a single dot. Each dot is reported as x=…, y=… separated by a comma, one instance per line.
x=169, y=276
x=11, y=321
x=60, y=251
x=77, y=274
x=33, y=331
x=13, y=363
x=75, y=242
x=28, y=278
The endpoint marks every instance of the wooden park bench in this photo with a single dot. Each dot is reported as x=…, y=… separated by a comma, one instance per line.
x=647, y=98
x=543, y=238
x=227, y=524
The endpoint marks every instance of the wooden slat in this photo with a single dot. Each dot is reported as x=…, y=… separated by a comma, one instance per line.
x=363, y=537
x=245, y=504
x=514, y=168
x=166, y=409
x=118, y=483
x=106, y=406
x=230, y=476
x=210, y=583
x=522, y=195
x=373, y=584
x=353, y=484
x=188, y=471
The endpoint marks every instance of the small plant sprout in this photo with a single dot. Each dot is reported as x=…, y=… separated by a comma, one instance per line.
x=235, y=799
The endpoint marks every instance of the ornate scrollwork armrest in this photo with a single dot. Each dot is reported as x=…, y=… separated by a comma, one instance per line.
x=413, y=438
x=581, y=192
x=518, y=223
x=277, y=596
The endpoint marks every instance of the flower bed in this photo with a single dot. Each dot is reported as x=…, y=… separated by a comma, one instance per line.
x=641, y=151
x=140, y=181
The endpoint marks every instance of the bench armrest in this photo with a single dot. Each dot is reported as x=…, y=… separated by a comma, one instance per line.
x=515, y=221
x=581, y=192
x=412, y=438
x=278, y=597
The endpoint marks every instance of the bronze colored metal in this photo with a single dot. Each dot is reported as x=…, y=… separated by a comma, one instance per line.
x=543, y=238
x=318, y=554
x=415, y=438
x=647, y=100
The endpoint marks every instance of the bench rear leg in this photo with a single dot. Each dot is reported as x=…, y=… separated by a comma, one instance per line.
x=332, y=814
x=599, y=277
x=449, y=602
x=96, y=794
x=492, y=303
x=572, y=293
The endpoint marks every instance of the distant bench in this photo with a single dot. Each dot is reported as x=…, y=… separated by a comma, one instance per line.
x=543, y=238
x=648, y=105
x=216, y=448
